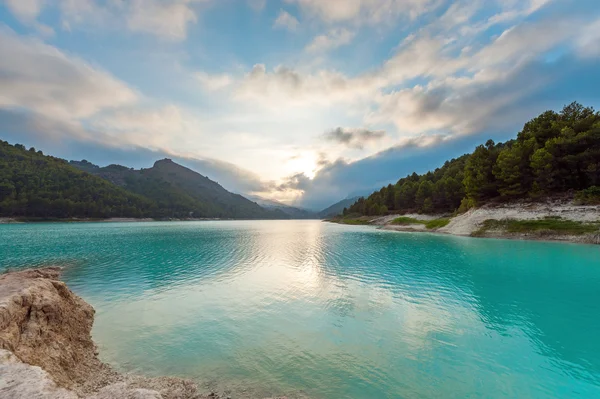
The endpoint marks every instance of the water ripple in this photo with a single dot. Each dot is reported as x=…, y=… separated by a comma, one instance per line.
x=309, y=309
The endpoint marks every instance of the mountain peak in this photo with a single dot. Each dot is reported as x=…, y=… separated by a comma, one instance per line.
x=180, y=192
x=165, y=161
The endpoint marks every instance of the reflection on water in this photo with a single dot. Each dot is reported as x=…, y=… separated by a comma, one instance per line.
x=311, y=309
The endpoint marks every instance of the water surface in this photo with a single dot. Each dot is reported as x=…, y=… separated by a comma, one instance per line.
x=311, y=309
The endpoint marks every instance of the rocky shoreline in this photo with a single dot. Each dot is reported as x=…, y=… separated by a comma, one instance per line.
x=46, y=348
x=473, y=222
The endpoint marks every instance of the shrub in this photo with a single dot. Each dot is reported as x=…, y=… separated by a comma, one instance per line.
x=429, y=224
x=541, y=227
x=403, y=220
x=466, y=204
x=589, y=196
x=437, y=223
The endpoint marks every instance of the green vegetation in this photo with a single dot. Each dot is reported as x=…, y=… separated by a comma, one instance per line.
x=403, y=220
x=554, y=153
x=429, y=224
x=180, y=192
x=38, y=187
x=589, y=196
x=437, y=223
x=35, y=185
x=549, y=225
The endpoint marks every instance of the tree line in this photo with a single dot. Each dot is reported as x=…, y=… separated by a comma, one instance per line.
x=556, y=152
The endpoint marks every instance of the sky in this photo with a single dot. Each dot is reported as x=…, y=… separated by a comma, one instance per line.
x=302, y=101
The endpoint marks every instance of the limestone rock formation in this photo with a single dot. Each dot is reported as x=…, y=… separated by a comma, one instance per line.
x=46, y=348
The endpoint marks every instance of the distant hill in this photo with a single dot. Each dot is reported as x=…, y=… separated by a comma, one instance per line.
x=180, y=192
x=337, y=208
x=291, y=211
x=35, y=185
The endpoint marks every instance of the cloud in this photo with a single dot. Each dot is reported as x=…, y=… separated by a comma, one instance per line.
x=354, y=137
x=214, y=82
x=286, y=21
x=73, y=141
x=22, y=126
x=165, y=19
x=333, y=39
x=284, y=87
x=435, y=56
x=588, y=42
x=523, y=42
x=66, y=97
x=441, y=59
x=41, y=78
x=464, y=87
x=341, y=178
x=487, y=81
x=365, y=11
x=25, y=10
x=157, y=128
x=497, y=111
x=91, y=14
x=298, y=181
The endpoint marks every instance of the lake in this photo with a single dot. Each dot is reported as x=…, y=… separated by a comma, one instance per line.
x=318, y=310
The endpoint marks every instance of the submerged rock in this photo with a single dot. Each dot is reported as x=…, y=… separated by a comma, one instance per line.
x=46, y=348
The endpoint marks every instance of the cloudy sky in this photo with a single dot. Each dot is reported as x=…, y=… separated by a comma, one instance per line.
x=305, y=101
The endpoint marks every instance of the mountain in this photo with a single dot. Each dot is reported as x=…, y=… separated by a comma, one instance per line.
x=35, y=185
x=292, y=212
x=180, y=192
x=39, y=186
x=337, y=208
x=556, y=153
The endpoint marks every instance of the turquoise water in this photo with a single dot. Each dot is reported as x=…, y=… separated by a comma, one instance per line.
x=311, y=309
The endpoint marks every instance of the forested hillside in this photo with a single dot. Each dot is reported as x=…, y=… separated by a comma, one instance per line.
x=556, y=152
x=180, y=192
x=34, y=185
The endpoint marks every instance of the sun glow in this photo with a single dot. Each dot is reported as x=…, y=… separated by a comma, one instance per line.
x=304, y=163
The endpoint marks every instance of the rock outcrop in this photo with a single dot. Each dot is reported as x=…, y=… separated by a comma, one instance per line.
x=46, y=348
